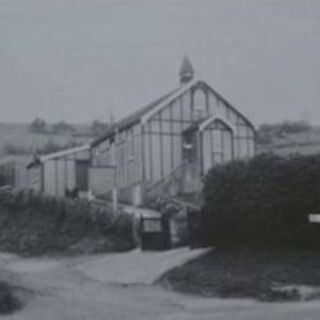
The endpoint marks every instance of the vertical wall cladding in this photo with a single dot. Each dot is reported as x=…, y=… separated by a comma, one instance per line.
x=119, y=158
x=217, y=145
x=61, y=177
x=49, y=177
x=137, y=158
x=70, y=173
x=120, y=152
x=152, y=151
x=243, y=137
x=102, y=154
x=59, y=174
x=127, y=155
x=35, y=178
x=163, y=132
x=161, y=137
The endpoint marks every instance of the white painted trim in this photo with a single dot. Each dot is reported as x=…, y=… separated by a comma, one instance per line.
x=64, y=153
x=213, y=118
x=164, y=103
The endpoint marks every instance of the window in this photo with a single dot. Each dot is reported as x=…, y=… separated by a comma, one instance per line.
x=199, y=100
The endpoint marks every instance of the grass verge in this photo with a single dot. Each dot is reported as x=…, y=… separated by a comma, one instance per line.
x=273, y=274
x=32, y=225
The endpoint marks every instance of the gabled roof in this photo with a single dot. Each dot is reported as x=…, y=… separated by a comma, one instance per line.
x=133, y=118
x=146, y=112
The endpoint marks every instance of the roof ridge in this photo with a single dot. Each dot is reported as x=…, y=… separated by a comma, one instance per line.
x=134, y=117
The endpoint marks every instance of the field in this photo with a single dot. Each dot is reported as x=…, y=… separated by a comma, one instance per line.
x=18, y=136
x=304, y=143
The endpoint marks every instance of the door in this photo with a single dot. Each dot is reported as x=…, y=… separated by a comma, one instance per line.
x=217, y=145
x=82, y=175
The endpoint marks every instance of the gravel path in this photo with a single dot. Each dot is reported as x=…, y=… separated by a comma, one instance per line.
x=79, y=289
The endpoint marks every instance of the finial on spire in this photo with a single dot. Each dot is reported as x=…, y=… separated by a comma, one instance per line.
x=186, y=71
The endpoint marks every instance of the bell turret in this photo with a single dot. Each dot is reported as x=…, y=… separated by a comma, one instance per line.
x=186, y=71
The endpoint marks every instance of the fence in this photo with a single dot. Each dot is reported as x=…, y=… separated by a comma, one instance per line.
x=178, y=224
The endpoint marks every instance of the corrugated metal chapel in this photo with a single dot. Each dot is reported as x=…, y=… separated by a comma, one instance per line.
x=170, y=144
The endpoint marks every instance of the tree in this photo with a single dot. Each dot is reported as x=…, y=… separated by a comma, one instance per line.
x=266, y=200
x=38, y=126
x=98, y=127
x=63, y=126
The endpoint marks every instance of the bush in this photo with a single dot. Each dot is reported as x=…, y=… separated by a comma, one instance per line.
x=31, y=224
x=3, y=179
x=8, y=301
x=38, y=126
x=12, y=149
x=63, y=127
x=177, y=216
x=98, y=128
x=266, y=200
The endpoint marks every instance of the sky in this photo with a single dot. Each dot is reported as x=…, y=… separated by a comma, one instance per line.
x=75, y=60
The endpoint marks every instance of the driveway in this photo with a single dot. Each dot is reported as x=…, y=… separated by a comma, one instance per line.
x=100, y=288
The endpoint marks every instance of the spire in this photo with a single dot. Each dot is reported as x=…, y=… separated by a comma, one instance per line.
x=186, y=70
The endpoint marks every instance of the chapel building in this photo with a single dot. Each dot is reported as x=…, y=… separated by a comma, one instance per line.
x=168, y=146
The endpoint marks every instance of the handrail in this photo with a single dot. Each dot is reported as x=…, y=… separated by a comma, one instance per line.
x=154, y=184
x=183, y=203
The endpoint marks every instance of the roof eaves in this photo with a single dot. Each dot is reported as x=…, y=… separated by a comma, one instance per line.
x=220, y=97
x=176, y=93
x=63, y=153
x=132, y=118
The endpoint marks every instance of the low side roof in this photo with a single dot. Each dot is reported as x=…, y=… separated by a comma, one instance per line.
x=58, y=154
x=64, y=153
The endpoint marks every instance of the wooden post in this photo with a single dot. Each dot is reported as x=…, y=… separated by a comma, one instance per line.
x=115, y=200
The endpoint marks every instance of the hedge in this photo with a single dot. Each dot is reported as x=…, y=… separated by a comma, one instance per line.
x=265, y=200
x=9, y=303
x=32, y=224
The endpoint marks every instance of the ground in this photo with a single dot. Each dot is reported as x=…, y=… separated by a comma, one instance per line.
x=81, y=288
x=267, y=274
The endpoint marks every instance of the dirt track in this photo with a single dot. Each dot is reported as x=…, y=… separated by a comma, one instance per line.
x=68, y=289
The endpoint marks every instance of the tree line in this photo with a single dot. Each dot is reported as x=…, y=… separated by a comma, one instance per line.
x=40, y=126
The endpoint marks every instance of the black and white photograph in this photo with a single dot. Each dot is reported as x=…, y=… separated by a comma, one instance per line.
x=160, y=159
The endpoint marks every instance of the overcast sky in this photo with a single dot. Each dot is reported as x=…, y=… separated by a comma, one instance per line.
x=74, y=59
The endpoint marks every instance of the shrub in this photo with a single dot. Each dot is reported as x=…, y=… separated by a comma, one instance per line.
x=63, y=127
x=266, y=200
x=98, y=128
x=32, y=224
x=3, y=179
x=38, y=126
x=8, y=301
x=12, y=149
x=177, y=215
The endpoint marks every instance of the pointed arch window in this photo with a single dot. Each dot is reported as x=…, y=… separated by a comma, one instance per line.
x=199, y=100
